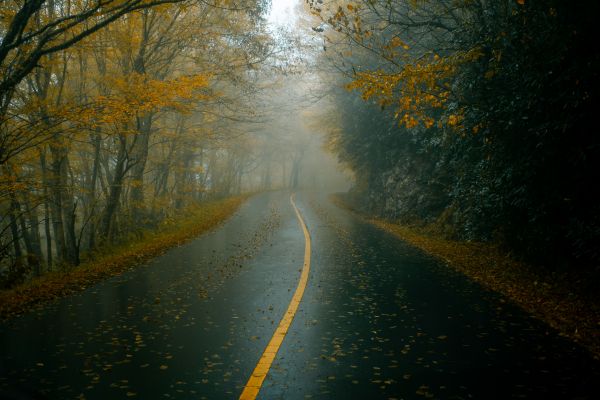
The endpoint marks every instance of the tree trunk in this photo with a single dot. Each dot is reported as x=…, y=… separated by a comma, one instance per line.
x=35, y=245
x=70, y=215
x=64, y=206
x=46, y=211
x=14, y=229
x=48, y=235
x=182, y=181
x=294, y=175
x=116, y=187
x=92, y=194
x=139, y=158
x=56, y=206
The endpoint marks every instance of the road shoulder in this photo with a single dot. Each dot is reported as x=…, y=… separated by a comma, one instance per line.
x=552, y=298
x=111, y=262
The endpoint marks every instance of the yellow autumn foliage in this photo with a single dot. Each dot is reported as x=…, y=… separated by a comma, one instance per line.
x=135, y=94
x=416, y=90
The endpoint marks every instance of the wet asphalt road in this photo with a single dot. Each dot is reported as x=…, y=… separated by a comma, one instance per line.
x=379, y=320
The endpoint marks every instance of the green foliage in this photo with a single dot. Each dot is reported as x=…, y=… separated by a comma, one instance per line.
x=512, y=157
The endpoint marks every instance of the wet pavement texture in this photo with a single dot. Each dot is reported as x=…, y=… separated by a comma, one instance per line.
x=379, y=320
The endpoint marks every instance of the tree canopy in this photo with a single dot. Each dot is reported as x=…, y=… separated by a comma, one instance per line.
x=477, y=118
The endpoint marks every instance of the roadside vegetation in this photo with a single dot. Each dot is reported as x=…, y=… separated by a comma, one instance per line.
x=117, y=118
x=476, y=121
x=480, y=117
x=563, y=300
x=99, y=265
x=124, y=125
x=477, y=118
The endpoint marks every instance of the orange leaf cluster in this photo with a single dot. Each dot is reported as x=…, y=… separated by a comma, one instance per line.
x=416, y=90
x=135, y=94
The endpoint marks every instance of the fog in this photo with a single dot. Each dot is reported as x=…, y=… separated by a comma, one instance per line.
x=289, y=150
x=290, y=143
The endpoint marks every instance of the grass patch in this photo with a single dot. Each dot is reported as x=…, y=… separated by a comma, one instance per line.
x=115, y=260
x=553, y=297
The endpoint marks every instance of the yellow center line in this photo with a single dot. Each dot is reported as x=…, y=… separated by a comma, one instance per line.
x=264, y=364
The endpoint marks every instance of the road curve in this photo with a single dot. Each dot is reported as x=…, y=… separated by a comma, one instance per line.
x=252, y=387
x=378, y=319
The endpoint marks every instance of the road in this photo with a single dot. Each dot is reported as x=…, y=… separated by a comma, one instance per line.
x=378, y=319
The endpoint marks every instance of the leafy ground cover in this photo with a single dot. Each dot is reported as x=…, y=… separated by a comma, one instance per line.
x=113, y=261
x=556, y=298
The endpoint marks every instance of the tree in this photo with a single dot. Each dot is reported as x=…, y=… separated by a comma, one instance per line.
x=492, y=103
x=111, y=135
x=34, y=29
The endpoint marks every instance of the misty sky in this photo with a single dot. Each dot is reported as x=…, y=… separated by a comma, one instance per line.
x=283, y=13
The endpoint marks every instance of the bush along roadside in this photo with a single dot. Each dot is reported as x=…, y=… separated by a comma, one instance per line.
x=108, y=262
x=553, y=298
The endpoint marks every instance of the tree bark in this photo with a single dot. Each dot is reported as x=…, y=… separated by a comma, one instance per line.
x=56, y=206
x=47, y=231
x=14, y=229
x=139, y=158
x=33, y=237
x=91, y=240
x=64, y=206
x=116, y=187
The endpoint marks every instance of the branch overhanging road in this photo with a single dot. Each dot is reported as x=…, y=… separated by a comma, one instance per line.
x=377, y=319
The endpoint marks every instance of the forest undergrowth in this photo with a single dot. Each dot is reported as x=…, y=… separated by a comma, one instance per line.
x=110, y=261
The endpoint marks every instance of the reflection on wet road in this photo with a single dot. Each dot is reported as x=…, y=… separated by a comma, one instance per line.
x=378, y=320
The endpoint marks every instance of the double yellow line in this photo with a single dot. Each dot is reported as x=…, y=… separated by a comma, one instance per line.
x=264, y=364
